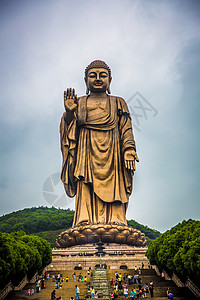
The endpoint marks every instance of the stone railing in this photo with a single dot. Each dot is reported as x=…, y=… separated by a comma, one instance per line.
x=193, y=288
x=157, y=270
x=33, y=279
x=167, y=277
x=8, y=288
x=189, y=284
x=178, y=282
x=22, y=284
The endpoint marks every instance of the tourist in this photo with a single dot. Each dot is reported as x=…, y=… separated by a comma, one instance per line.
x=32, y=291
x=137, y=292
x=95, y=294
x=116, y=275
x=60, y=285
x=115, y=293
x=37, y=287
x=125, y=292
x=112, y=282
x=134, y=279
x=120, y=285
x=77, y=293
x=163, y=275
x=56, y=286
x=116, y=286
x=80, y=277
x=168, y=291
x=129, y=279
x=151, y=288
x=135, y=270
x=42, y=283
x=67, y=279
x=29, y=292
x=92, y=292
x=132, y=294
x=89, y=292
x=139, y=280
x=171, y=296
x=53, y=294
x=142, y=265
x=74, y=276
x=145, y=290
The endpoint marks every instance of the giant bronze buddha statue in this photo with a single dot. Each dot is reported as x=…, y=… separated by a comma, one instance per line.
x=99, y=156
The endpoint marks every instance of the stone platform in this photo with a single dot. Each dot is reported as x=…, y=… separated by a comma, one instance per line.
x=116, y=256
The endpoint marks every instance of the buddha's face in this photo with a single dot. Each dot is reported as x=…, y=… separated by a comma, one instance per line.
x=98, y=80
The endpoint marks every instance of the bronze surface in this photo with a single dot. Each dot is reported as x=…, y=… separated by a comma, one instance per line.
x=99, y=155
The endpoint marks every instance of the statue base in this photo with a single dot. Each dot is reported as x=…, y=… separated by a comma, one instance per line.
x=84, y=234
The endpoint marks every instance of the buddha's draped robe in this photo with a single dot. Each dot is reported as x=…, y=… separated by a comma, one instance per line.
x=93, y=169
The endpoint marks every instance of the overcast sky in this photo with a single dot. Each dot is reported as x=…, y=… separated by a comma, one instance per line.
x=153, y=49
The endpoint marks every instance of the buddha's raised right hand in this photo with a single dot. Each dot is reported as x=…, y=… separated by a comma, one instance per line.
x=70, y=100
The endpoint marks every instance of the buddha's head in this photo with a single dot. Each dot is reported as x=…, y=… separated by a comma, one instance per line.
x=98, y=77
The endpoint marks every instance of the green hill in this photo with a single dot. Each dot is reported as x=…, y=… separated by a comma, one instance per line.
x=48, y=222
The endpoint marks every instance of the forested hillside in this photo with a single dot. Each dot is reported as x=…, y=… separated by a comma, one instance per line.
x=150, y=233
x=32, y=220
x=178, y=250
x=49, y=222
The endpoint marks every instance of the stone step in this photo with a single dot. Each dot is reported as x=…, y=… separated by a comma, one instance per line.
x=160, y=285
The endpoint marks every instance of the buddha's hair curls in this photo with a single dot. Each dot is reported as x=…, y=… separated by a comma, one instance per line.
x=97, y=64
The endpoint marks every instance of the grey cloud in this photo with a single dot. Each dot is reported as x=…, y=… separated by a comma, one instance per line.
x=152, y=48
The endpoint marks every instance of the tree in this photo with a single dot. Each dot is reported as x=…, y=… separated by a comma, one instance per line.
x=178, y=250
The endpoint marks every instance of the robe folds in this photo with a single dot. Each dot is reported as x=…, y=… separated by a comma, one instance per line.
x=93, y=147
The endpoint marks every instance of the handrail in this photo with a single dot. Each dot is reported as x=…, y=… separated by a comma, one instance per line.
x=178, y=282
x=157, y=270
x=193, y=288
x=8, y=288
x=22, y=284
x=189, y=284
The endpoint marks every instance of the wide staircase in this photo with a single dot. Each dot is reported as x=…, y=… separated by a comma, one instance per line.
x=160, y=285
x=66, y=292
x=100, y=283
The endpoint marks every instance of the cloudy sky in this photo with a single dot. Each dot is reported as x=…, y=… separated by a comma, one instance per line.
x=153, y=49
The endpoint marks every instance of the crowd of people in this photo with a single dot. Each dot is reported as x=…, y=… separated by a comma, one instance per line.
x=58, y=279
x=39, y=284
x=130, y=286
x=124, y=285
